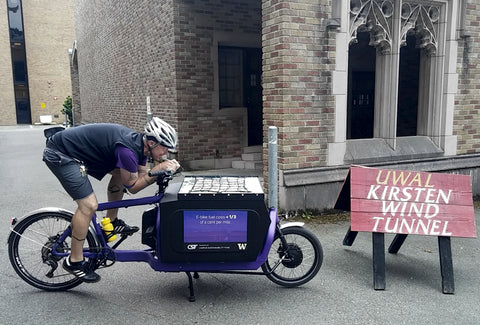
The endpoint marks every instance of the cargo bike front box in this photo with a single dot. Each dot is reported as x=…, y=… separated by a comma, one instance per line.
x=209, y=219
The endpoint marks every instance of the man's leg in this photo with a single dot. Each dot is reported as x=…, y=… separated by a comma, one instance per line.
x=80, y=223
x=74, y=180
x=75, y=263
x=114, y=192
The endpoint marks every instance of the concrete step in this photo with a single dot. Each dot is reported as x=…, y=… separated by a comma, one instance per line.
x=252, y=149
x=253, y=164
x=253, y=156
x=238, y=164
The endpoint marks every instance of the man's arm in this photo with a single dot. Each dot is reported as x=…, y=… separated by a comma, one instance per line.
x=135, y=182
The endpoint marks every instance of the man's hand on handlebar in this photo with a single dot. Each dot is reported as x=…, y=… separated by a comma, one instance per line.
x=164, y=172
x=171, y=165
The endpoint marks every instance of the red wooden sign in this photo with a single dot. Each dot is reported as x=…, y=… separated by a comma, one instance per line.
x=409, y=202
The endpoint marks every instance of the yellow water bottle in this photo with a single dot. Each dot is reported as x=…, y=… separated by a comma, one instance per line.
x=107, y=229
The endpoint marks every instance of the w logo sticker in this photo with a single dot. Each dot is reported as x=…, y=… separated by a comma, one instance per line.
x=242, y=246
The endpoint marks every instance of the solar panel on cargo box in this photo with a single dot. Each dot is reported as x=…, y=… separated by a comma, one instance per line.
x=196, y=186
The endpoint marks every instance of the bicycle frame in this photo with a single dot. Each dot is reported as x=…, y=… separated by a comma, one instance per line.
x=155, y=261
x=287, y=254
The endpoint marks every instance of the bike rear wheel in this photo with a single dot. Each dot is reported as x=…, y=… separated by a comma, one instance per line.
x=30, y=250
x=297, y=263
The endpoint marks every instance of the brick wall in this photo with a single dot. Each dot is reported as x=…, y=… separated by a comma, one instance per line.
x=297, y=79
x=467, y=101
x=125, y=52
x=163, y=49
x=211, y=133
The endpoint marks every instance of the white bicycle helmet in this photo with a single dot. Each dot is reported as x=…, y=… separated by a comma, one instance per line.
x=163, y=132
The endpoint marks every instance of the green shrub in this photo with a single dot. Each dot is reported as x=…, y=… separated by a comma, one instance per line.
x=67, y=110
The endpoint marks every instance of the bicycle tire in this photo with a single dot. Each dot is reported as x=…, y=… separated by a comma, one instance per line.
x=299, y=263
x=29, y=248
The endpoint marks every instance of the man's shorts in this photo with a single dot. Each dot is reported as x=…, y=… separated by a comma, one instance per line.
x=69, y=173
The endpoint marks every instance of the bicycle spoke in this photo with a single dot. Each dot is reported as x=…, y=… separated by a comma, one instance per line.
x=298, y=262
x=30, y=250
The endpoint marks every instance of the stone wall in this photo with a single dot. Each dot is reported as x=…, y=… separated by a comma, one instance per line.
x=49, y=34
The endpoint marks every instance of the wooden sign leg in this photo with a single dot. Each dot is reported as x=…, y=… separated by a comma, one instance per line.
x=378, y=240
x=397, y=242
x=446, y=264
x=350, y=237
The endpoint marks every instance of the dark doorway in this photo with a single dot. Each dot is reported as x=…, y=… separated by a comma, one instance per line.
x=240, y=85
x=22, y=105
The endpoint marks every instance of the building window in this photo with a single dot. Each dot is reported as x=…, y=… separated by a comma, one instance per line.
x=413, y=73
x=15, y=20
x=230, y=77
x=361, y=90
x=409, y=72
x=19, y=62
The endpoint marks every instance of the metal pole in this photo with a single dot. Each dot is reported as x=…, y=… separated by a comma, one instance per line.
x=149, y=110
x=73, y=114
x=272, y=168
x=149, y=118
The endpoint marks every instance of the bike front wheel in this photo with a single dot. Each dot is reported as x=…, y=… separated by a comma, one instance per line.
x=30, y=250
x=298, y=262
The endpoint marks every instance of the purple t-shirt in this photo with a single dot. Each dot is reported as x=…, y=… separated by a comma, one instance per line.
x=127, y=160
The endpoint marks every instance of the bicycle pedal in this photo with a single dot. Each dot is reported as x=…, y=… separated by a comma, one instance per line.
x=105, y=263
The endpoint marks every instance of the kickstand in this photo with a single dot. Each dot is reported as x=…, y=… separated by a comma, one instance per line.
x=190, y=286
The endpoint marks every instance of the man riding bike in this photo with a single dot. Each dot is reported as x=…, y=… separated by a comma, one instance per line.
x=97, y=150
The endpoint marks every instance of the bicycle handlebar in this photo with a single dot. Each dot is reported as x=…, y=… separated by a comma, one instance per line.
x=160, y=173
x=164, y=172
x=163, y=177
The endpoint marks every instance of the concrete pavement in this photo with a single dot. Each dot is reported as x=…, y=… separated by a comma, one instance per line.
x=342, y=292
